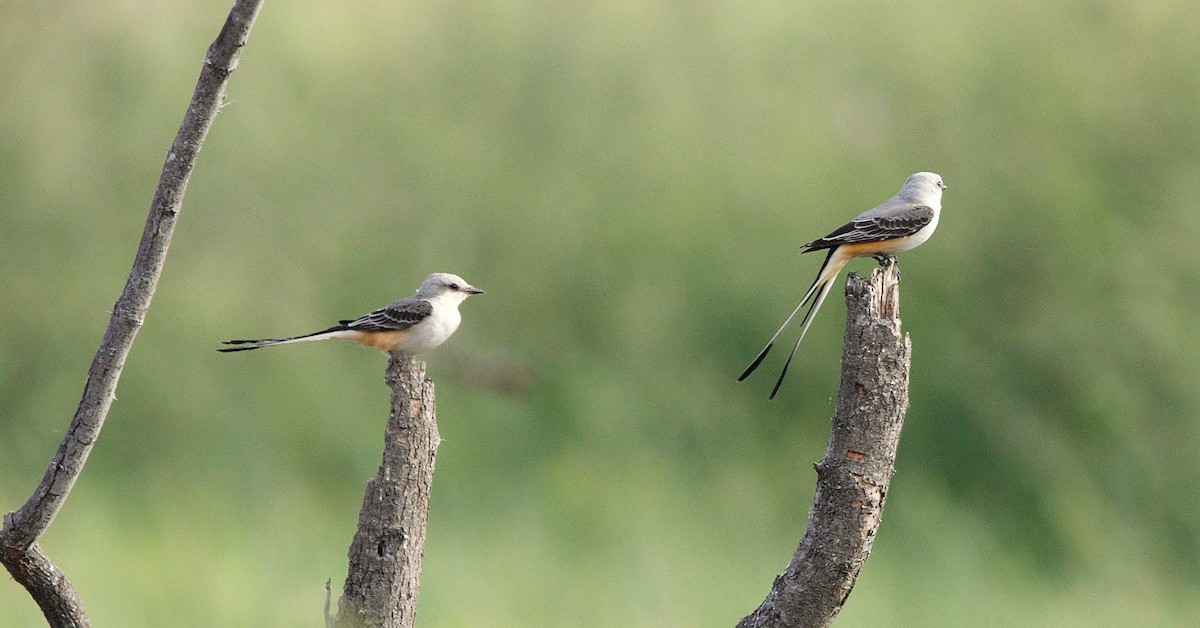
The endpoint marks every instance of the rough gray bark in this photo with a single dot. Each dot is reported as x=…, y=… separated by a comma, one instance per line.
x=852, y=480
x=47, y=585
x=384, y=576
x=18, y=540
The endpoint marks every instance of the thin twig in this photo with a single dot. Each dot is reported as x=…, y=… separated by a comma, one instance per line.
x=328, y=598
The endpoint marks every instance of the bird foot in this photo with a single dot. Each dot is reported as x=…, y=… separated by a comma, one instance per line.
x=887, y=261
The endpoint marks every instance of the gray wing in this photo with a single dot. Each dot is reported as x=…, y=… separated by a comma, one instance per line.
x=867, y=228
x=394, y=317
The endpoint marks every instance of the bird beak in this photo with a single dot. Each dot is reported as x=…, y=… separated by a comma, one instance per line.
x=472, y=290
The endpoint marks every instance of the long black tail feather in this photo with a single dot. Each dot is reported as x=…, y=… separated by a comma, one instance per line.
x=270, y=342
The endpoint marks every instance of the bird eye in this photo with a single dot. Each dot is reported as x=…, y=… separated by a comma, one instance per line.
x=454, y=286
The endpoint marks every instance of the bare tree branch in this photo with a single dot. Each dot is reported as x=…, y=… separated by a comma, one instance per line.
x=47, y=585
x=384, y=576
x=22, y=528
x=852, y=480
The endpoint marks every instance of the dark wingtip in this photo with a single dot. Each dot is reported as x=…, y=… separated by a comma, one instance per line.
x=756, y=362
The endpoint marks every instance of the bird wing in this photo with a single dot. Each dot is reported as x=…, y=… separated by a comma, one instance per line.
x=903, y=222
x=393, y=317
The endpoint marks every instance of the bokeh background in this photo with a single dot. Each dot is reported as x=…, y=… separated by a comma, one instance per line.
x=630, y=182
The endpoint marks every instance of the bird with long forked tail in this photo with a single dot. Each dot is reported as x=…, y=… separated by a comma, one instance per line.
x=899, y=224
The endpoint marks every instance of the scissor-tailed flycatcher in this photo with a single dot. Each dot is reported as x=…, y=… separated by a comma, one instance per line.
x=899, y=224
x=409, y=326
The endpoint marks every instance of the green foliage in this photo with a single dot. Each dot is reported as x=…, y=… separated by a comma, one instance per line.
x=630, y=182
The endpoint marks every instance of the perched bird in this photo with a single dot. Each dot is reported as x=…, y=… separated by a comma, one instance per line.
x=899, y=224
x=406, y=327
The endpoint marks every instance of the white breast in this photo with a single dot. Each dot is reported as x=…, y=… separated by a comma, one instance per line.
x=900, y=245
x=919, y=238
x=434, y=330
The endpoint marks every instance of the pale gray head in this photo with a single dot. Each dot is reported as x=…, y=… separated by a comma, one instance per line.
x=923, y=187
x=446, y=284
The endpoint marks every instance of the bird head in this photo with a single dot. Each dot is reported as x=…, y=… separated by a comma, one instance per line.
x=446, y=285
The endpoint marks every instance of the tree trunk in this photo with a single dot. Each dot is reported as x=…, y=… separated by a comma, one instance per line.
x=385, y=557
x=852, y=480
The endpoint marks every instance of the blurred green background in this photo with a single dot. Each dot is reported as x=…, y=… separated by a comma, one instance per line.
x=630, y=182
